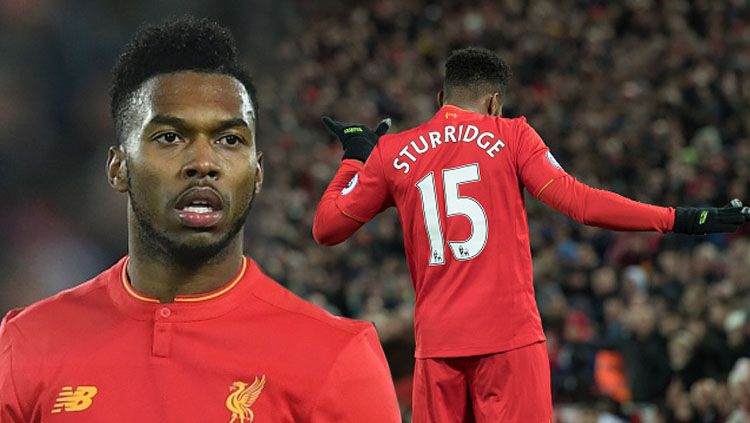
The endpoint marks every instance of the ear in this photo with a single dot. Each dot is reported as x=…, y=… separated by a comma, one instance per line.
x=495, y=105
x=441, y=98
x=258, y=171
x=117, y=169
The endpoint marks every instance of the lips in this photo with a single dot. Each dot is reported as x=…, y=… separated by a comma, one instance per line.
x=199, y=207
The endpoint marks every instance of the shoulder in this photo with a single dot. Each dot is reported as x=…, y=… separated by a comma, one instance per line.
x=520, y=133
x=41, y=320
x=516, y=123
x=302, y=314
x=396, y=139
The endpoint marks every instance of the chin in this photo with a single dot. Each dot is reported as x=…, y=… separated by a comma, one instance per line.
x=197, y=252
x=177, y=243
x=192, y=248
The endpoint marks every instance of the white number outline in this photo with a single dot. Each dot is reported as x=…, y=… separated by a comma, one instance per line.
x=435, y=237
x=474, y=224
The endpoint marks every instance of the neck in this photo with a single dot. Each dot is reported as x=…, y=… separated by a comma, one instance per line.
x=157, y=276
x=465, y=105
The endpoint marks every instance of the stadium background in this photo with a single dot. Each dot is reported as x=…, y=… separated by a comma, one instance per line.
x=647, y=98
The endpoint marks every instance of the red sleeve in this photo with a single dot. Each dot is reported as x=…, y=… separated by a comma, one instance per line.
x=331, y=225
x=359, y=386
x=355, y=195
x=534, y=162
x=10, y=406
x=605, y=209
x=546, y=180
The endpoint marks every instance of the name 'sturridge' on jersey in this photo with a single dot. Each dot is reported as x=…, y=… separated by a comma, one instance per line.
x=451, y=134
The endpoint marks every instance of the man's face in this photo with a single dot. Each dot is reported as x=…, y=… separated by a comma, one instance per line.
x=189, y=164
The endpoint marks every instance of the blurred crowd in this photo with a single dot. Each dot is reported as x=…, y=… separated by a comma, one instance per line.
x=643, y=97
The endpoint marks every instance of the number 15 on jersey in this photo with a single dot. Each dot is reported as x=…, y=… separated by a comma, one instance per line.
x=455, y=204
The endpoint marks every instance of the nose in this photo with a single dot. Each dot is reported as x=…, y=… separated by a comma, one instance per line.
x=201, y=160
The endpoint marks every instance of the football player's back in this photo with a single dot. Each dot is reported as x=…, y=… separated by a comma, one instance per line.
x=455, y=183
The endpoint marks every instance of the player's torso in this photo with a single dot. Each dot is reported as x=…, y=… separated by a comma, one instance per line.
x=162, y=371
x=455, y=184
x=454, y=181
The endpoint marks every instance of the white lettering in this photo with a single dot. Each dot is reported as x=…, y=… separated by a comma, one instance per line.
x=450, y=133
x=424, y=144
x=434, y=138
x=401, y=165
x=405, y=152
x=470, y=138
x=484, y=145
x=487, y=141
x=495, y=148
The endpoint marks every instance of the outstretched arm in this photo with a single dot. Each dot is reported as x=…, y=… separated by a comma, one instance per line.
x=548, y=182
x=604, y=209
x=608, y=210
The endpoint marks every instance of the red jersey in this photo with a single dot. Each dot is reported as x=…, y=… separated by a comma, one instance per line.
x=457, y=182
x=249, y=352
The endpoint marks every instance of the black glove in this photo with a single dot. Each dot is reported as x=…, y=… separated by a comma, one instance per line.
x=357, y=139
x=701, y=221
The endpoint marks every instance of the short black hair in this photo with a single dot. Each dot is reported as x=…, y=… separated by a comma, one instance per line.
x=476, y=70
x=179, y=44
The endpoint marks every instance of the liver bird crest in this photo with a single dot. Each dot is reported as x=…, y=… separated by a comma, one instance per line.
x=242, y=397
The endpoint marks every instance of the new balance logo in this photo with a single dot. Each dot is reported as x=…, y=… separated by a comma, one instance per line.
x=77, y=399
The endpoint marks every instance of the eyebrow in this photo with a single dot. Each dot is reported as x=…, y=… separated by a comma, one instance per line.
x=232, y=123
x=167, y=120
x=182, y=124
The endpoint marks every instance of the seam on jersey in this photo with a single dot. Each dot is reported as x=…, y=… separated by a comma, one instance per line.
x=541, y=190
x=12, y=379
x=330, y=371
x=308, y=316
x=349, y=215
x=470, y=351
x=515, y=147
x=345, y=213
x=19, y=333
x=388, y=185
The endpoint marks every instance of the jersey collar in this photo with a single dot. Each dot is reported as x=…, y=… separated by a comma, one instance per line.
x=449, y=112
x=450, y=106
x=185, y=307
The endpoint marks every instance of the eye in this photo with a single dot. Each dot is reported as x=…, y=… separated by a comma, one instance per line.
x=231, y=140
x=167, y=138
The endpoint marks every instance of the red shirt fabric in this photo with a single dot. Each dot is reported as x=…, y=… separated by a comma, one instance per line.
x=457, y=182
x=251, y=351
